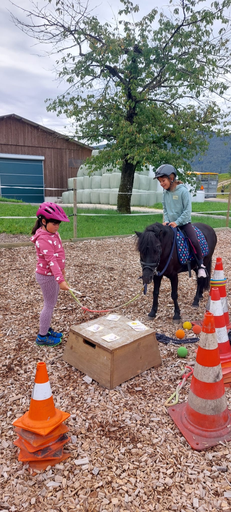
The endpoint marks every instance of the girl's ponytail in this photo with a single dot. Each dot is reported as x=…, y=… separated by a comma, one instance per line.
x=37, y=225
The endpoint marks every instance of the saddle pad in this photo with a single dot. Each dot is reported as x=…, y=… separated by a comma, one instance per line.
x=185, y=252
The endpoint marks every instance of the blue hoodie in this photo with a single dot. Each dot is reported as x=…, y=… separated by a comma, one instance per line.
x=177, y=205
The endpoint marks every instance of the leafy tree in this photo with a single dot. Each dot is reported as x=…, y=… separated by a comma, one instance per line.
x=149, y=88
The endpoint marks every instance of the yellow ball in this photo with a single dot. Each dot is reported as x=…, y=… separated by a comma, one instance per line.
x=187, y=325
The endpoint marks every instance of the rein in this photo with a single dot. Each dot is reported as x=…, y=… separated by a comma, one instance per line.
x=152, y=266
x=85, y=309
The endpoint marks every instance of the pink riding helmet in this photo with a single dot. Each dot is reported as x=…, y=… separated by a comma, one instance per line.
x=52, y=211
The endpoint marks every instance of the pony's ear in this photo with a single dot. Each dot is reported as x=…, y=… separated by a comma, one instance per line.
x=157, y=228
x=138, y=233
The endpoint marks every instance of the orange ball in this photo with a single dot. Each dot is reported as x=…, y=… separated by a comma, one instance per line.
x=180, y=334
x=196, y=329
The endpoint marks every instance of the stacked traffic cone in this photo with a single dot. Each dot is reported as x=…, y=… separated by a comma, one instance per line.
x=220, y=326
x=41, y=433
x=205, y=419
x=222, y=335
x=219, y=281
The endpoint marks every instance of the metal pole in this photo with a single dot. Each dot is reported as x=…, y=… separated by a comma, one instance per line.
x=75, y=207
x=228, y=208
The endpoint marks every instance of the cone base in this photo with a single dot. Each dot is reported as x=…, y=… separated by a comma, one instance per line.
x=38, y=441
x=52, y=454
x=225, y=358
x=44, y=452
x=225, y=366
x=42, y=465
x=41, y=427
x=197, y=438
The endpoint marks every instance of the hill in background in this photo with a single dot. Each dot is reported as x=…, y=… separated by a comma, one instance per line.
x=217, y=158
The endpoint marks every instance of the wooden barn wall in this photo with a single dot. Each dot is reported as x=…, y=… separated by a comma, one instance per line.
x=62, y=157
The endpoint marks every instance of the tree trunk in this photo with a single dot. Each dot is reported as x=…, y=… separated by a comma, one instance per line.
x=126, y=186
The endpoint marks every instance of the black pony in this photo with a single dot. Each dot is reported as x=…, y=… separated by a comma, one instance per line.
x=158, y=257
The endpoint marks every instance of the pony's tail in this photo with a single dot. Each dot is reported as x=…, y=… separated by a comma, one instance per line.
x=206, y=284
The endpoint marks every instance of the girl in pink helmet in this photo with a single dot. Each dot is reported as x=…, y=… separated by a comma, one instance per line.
x=50, y=268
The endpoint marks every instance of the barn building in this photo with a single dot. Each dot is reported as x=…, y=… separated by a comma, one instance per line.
x=36, y=162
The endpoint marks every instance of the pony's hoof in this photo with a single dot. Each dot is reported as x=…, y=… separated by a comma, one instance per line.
x=195, y=305
x=152, y=314
x=176, y=319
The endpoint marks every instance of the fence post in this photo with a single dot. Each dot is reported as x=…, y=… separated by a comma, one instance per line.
x=228, y=208
x=75, y=207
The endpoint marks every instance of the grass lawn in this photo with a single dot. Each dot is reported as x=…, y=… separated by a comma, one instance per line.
x=93, y=223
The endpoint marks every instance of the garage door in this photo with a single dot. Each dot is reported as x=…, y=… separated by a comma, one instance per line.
x=21, y=177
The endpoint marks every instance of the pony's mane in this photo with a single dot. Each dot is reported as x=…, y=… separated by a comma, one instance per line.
x=148, y=241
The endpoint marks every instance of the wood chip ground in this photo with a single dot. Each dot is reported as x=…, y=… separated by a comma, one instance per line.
x=127, y=455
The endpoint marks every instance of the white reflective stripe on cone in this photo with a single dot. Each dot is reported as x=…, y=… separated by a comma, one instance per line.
x=207, y=407
x=222, y=334
x=41, y=391
x=224, y=304
x=216, y=307
x=218, y=275
x=207, y=373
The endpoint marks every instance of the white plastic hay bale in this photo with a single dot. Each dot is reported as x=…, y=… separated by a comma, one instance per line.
x=95, y=196
x=154, y=197
x=113, y=196
x=153, y=184
x=115, y=179
x=70, y=183
x=105, y=181
x=143, y=198
x=144, y=182
x=83, y=171
x=145, y=170
x=135, y=199
x=106, y=169
x=151, y=198
x=87, y=182
x=98, y=172
x=80, y=183
x=80, y=196
x=95, y=152
x=96, y=182
x=80, y=171
x=86, y=196
x=70, y=197
x=159, y=196
x=65, y=197
x=104, y=196
x=136, y=182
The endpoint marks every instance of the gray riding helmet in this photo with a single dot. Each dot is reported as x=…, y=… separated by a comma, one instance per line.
x=165, y=170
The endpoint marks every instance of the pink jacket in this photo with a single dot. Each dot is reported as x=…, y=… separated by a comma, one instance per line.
x=50, y=254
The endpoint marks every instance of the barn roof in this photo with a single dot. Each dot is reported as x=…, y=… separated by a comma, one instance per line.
x=48, y=130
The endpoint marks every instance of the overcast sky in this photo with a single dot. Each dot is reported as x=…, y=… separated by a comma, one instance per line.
x=27, y=78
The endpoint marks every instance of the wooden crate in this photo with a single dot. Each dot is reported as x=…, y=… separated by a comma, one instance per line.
x=114, y=362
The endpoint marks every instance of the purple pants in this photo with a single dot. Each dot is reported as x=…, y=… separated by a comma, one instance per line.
x=191, y=234
x=50, y=291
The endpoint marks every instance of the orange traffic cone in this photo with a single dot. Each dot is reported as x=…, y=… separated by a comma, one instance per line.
x=42, y=416
x=220, y=326
x=205, y=419
x=22, y=443
x=36, y=440
x=219, y=280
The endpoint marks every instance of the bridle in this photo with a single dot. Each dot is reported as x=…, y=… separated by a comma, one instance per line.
x=153, y=266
